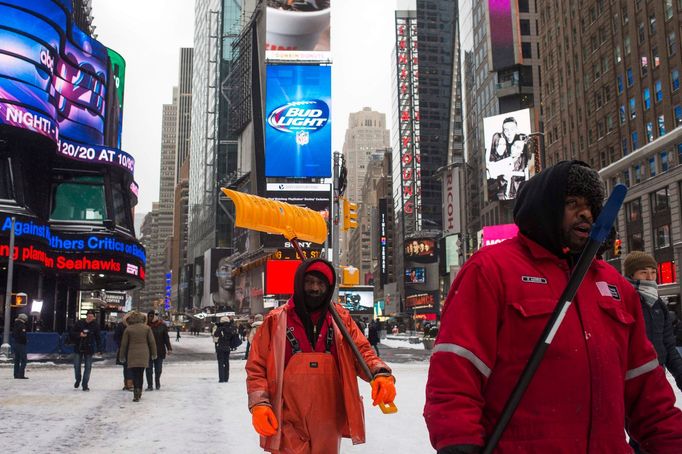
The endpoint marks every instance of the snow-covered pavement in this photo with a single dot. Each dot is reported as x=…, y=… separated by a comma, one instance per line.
x=192, y=413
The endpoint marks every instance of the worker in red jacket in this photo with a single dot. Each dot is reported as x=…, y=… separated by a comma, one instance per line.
x=599, y=374
x=301, y=372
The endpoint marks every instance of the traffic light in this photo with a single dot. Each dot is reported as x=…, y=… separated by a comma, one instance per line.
x=616, y=247
x=350, y=215
x=20, y=299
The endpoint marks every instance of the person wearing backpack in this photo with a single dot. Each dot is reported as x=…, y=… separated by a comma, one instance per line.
x=226, y=338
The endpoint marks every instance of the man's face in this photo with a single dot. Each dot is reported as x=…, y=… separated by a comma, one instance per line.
x=575, y=229
x=224, y=275
x=509, y=130
x=314, y=286
x=89, y=318
x=647, y=274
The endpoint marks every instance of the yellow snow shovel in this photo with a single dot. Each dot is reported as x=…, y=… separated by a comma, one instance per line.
x=295, y=223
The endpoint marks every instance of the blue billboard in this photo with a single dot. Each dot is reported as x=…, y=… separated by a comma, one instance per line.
x=298, y=129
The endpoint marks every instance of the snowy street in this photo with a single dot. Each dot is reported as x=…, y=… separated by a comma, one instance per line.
x=192, y=413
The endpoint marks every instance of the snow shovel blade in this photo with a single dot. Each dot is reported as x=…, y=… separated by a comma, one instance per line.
x=279, y=218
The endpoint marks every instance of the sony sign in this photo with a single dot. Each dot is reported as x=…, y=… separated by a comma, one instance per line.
x=451, y=204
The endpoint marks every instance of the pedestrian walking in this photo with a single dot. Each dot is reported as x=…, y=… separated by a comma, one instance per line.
x=86, y=341
x=137, y=347
x=163, y=346
x=373, y=335
x=301, y=372
x=226, y=339
x=177, y=333
x=19, y=346
x=118, y=337
x=257, y=322
x=599, y=370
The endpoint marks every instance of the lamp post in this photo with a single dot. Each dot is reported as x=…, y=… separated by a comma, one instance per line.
x=4, y=349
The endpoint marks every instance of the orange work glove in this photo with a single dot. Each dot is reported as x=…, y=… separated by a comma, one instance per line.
x=383, y=389
x=264, y=420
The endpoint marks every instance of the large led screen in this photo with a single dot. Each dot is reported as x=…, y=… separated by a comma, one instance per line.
x=494, y=234
x=507, y=156
x=298, y=30
x=357, y=299
x=502, y=38
x=53, y=80
x=298, y=127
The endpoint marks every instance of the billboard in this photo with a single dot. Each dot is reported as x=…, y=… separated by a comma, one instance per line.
x=316, y=196
x=422, y=301
x=507, y=157
x=279, y=276
x=298, y=30
x=498, y=233
x=357, y=299
x=503, y=36
x=218, y=281
x=451, y=205
x=383, y=241
x=420, y=250
x=53, y=80
x=298, y=121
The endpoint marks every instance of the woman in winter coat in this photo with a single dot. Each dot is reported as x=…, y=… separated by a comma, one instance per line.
x=137, y=346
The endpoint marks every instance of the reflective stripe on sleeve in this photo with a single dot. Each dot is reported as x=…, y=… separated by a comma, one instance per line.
x=466, y=354
x=641, y=370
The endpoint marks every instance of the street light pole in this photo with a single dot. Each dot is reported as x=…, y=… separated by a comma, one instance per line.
x=4, y=349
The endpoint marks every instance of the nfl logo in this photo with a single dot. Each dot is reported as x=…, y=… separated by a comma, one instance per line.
x=302, y=138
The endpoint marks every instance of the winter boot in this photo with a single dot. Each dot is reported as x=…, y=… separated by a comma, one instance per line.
x=137, y=393
x=129, y=385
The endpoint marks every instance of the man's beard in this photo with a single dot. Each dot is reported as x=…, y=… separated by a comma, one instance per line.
x=314, y=302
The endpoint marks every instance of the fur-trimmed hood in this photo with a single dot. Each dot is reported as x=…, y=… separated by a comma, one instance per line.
x=136, y=317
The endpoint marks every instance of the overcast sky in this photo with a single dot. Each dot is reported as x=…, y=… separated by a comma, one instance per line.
x=149, y=34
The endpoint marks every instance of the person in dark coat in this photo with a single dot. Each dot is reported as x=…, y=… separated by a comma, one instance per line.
x=640, y=269
x=373, y=335
x=19, y=335
x=137, y=347
x=163, y=345
x=86, y=341
x=118, y=336
x=177, y=333
x=223, y=337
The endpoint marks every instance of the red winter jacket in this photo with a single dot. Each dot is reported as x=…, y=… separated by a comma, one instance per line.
x=599, y=373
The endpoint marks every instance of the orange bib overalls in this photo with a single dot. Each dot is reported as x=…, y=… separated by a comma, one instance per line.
x=313, y=412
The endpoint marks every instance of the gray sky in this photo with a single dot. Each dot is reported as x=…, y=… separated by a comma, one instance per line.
x=149, y=34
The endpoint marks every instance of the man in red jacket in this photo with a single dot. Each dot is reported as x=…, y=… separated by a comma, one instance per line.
x=599, y=374
x=301, y=372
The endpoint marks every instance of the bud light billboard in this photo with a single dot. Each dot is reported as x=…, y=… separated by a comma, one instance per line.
x=298, y=121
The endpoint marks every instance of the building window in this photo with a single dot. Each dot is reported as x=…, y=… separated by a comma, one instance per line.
x=677, y=110
x=78, y=197
x=641, y=33
x=525, y=27
x=621, y=111
x=662, y=237
x=638, y=174
x=631, y=81
x=656, y=57
x=626, y=45
x=646, y=95
x=619, y=83
x=634, y=210
x=661, y=125
x=672, y=44
x=675, y=79
x=636, y=242
x=659, y=201
x=668, y=7
x=626, y=177
x=652, y=166
x=633, y=109
x=665, y=163
x=652, y=24
x=616, y=54
x=635, y=140
x=644, y=62
x=649, y=132
x=526, y=50
x=6, y=187
x=658, y=90
x=624, y=146
x=523, y=6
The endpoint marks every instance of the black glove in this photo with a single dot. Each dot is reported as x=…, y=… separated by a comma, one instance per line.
x=460, y=449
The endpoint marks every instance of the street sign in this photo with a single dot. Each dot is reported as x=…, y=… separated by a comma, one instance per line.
x=200, y=315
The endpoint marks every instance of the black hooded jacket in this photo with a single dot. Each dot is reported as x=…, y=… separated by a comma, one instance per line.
x=539, y=208
x=299, y=299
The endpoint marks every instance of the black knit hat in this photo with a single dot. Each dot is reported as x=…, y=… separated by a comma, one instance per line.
x=585, y=182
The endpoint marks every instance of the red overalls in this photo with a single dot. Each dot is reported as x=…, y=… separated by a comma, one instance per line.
x=313, y=412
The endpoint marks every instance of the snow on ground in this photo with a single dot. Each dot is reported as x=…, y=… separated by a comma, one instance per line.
x=191, y=413
x=396, y=343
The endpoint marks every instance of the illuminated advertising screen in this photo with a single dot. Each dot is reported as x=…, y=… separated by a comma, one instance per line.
x=315, y=196
x=298, y=123
x=279, y=276
x=357, y=299
x=383, y=241
x=218, y=280
x=503, y=38
x=53, y=80
x=36, y=243
x=498, y=233
x=507, y=156
x=421, y=250
x=424, y=301
x=415, y=275
x=298, y=30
